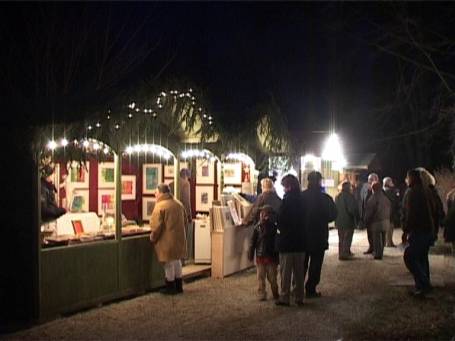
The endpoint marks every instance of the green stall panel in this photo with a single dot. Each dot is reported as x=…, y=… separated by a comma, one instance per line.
x=138, y=266
x=79, y=276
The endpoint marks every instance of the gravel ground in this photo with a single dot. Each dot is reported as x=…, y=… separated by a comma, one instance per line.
x=362, y=299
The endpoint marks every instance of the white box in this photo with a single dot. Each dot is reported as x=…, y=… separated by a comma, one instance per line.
x=202, y=241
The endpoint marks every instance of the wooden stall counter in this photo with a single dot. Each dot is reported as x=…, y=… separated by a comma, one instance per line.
x=230, y=250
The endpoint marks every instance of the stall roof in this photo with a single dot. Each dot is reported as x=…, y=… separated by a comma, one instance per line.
x=359, y=161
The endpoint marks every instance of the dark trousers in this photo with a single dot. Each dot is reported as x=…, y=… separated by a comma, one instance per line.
x=416, y=258
x=370, y=238
x=312, y=267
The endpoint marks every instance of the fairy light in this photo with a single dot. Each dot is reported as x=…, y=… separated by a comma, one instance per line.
x=106, y=150
x=240, y=157
x=98, y=124
x=52, y=145
x=64, y=142
x=96, y=146
x=86, y=143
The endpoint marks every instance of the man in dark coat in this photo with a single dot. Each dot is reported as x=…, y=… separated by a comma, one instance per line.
x=319, y=211
x=291, y=241
x=49, y=208
x=365, y=194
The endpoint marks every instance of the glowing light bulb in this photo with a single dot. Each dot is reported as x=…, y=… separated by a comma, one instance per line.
x=64, y=142
x=52, y=145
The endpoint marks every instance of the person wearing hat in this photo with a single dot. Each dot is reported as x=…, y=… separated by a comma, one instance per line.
x=262, y=243
x=320, y=210
x=49, y=208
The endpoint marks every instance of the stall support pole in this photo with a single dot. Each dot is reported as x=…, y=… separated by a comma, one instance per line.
x=176, y=178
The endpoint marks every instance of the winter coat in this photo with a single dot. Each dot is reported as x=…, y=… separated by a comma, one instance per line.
x=347, y=211
x=49, y=208
x=394, y=196
x=320, y=210
x=377, y=208
x=438, y=209
x=185, y=196
x=263, y=241
x=417, y=210
x=168, y=223
x=265, y=198
x=365, y=194
x=449, y=222
x=291, y=228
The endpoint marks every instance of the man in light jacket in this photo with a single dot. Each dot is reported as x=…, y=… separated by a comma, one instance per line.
x=168, y=223
x=377, y=218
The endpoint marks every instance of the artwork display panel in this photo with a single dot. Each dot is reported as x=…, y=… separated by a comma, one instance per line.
x=79, y=200
x=232, y=173
x=106, y=201
x=148, y=204
x=78, y=174
x=106, y=175
x=204, y=198
x=169, y=169
x=151, y=177
x=205, y=171
x=128, y=187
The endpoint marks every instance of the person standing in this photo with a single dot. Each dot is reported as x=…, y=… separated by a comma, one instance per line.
x=263, y=244
x=377, y=218
x=347, y=217
x=320, y=210
x=365, y=194
x=185, y=199
x=267, y=197
x=291, y=241
x=167, y=225
x=419, y=226
x=394, y=197
x=49, y=207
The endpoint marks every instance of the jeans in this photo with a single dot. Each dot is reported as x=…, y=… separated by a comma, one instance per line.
x=268, y=271
x=416, y=258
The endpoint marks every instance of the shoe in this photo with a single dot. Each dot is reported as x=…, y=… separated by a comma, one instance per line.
x=377, y=258
x=417, y=293
x=367, y=252
x=299, y=303
x=343, y=258
x=285, y=304
x=391, y=245
x=263, y=298
x=351, y=253
x=312, y=294
x=179, y=285
x=169, y=289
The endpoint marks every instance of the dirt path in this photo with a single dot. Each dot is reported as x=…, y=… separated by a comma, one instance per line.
x=362, y=299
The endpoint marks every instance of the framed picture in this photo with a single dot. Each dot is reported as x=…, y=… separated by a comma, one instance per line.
x=232, y=173
x=204, y=198
x=106, y=201
x=79, y=200
x=77, y=227
x=78, y=174
x=106, y=175
x=205, y=171
x=151, y=177
x=128, y=187
x=148, y=204
x=169, y=169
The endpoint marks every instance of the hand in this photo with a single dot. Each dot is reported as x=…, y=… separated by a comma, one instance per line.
x=152, y=239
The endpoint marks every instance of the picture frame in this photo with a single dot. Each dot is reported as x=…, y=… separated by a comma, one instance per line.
x=77, y=227
x=151, y=177
x=79, y=200
x=128, y=187
x=106, y=201
x=204, y=198
x=205, y=171
x=106, y=175
x=232, y=173
x=169, y=169
x=78, y=174
x=148, y=204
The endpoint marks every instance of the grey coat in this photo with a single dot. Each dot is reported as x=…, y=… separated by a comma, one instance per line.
x=348, y=211
x=377, y=208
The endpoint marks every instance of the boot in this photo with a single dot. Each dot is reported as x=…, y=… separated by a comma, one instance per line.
x=179, y=286
x=169, y=289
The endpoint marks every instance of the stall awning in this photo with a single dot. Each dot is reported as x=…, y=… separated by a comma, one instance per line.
x=359, y=161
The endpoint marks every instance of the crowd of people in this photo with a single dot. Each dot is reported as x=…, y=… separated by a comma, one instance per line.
x=291, y=235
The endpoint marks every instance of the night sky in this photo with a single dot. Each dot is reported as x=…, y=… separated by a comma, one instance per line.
x=316, y=59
